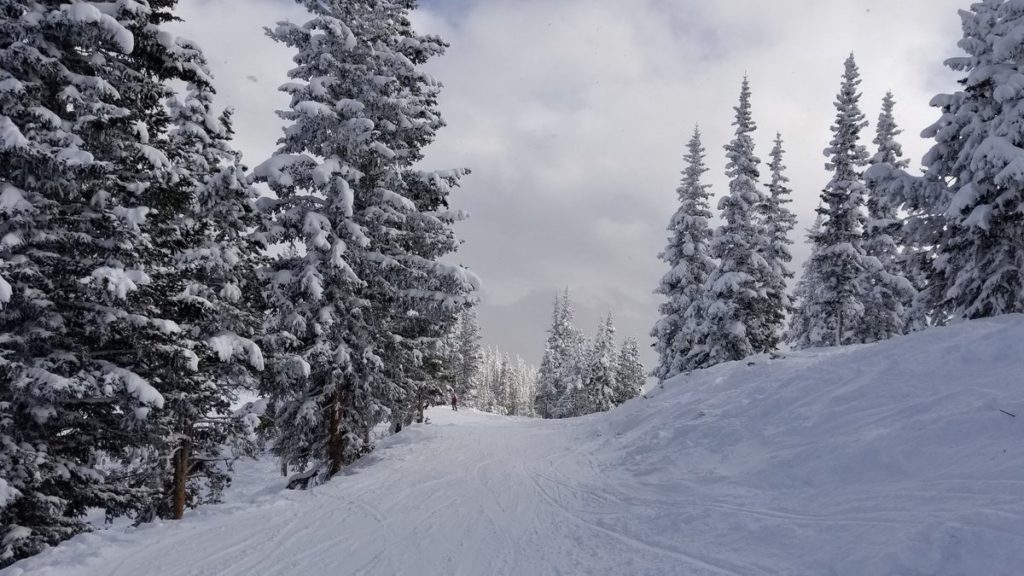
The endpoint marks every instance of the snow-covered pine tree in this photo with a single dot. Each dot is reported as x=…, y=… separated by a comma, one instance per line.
x=889, y=294
x=449, y=346
x=736, y=303
x=831, y=311
x=779, y=222
x=362, y=301
x=90, y=200
x=690, y=265
x=600, y=385
x=804, y=329
x=629, y=372
x=967, y=208
x=549, y=386
x=215, y=297
x=560, y=378
x=576, y=401
x=523, y=383
x=468, y=355
x=506, y=384
x=488, y=397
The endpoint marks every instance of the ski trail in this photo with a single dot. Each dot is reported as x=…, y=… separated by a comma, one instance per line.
x=845, y=462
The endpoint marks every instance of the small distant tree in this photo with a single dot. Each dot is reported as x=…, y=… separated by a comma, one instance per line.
x=601, y=385
x=468, y=354
x=560, y=378
x=629, y=372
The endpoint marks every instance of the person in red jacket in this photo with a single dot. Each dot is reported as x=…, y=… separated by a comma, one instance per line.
x=455, y=402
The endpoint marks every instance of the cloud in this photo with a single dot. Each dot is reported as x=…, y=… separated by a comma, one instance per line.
x=573, y=115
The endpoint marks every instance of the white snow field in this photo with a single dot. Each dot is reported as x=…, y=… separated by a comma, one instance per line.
x=889, y=459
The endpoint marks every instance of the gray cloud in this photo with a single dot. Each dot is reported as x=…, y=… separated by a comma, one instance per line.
x=573, y=114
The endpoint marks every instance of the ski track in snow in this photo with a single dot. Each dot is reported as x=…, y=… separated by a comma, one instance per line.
x=886, y=460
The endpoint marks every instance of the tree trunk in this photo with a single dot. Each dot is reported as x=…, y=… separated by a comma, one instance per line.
x=839, y=329
x=181, y=466
x=284, y=466
x=335, y=440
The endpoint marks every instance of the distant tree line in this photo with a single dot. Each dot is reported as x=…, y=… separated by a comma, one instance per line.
x=578, y=376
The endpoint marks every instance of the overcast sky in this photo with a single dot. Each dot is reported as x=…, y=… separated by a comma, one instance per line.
x=573, y=115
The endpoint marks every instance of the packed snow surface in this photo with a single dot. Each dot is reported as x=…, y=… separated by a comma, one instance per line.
x=888, y=459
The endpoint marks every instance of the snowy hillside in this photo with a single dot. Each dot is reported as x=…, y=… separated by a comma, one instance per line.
x=887, y=459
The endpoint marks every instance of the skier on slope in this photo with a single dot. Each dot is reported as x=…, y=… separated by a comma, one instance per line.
x=455, y=402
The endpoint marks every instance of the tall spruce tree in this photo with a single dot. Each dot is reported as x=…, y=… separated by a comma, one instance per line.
x=890, y=295
x=96, y=342
x=779, y=222
x=736, y=304
x=363, y=299
x=832, y=310
x=212, y=278
x=967, y=209
x=690, y=265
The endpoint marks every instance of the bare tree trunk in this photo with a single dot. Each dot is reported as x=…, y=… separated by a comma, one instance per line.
x=839, y=329
x=335, y=440
x=181, y=465
x=284, y=466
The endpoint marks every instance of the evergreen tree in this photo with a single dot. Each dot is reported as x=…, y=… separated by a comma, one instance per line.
x=209, y=270
x=600, y=385
x=889, y=294
x=804, y=329
x=690, y=265
x=549, y=386
x=506, y=384
x=577, y=399
x=967, y=207
x=560, y=378
x=363, y=299
x=524, y=380
x=736, y=301
x=99, y=344
x=629, y=372
x=831, y=312
x=779, y=222
x=468, y=354
x=489, y=396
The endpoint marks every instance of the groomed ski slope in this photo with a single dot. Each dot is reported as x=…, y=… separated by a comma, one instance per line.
x=889, y=459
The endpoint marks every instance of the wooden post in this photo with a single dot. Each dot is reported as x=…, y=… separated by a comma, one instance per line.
x=181, y=466
x=335, y=441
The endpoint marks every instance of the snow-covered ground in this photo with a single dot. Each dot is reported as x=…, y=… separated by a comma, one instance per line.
x=891, y=459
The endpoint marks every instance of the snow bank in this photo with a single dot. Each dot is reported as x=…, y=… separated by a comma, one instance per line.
x=902, y=457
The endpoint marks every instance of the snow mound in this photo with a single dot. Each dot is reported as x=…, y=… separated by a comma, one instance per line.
x=900, y=458
x=903, y=457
